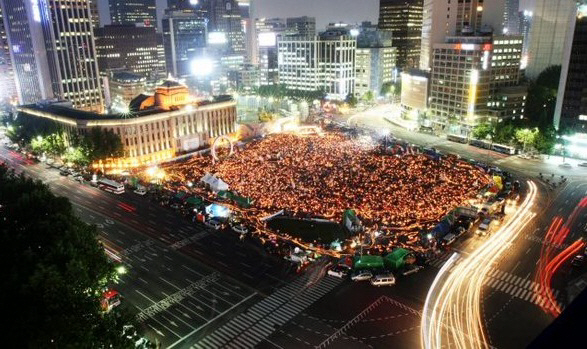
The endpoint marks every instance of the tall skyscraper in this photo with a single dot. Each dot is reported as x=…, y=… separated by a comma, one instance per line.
x=443, y=18
x=374, y=60
x=52, y=51
x=525, y=18
x=184, y=39
x=139, y=12
x=302, y=26
x=268, y=31
x=552, y=25
x=94, y=13
x=511, y=23
x=571, y=102
x=404, y=19
x=7, y=84
x=130, y=48
x=325, y=62
x=225, y=17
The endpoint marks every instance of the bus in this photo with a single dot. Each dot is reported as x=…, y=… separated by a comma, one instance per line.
x=457, y=138
x=504, y=149
x=110, y=186
x=480, y=144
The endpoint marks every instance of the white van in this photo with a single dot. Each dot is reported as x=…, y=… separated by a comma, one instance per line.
x=383, y=280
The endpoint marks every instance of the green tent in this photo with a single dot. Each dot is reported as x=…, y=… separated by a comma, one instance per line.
x=194, y=201
x=396, y=259
x=368, y=262
x=180, y=195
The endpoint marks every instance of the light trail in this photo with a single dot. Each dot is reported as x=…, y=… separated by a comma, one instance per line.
x=452, y=312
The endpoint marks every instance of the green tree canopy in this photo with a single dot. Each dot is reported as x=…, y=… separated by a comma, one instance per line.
x=482, y=130
x=54, y=272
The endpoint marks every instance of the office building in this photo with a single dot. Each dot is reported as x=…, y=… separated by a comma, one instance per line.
x=248, y=22
x=225, y=19
x=157, y=128
x=137, y=12
x=571, y=102
x=52, y=60
x=7, y=83
x=470, y=73
x=525, y=26
x=301, y=26
x=443, y=18
x=552, y=24
x=375, y=60
x=130, y=48
x=323, y=62
x=404, y=19
x=123, y=87
x=184, y=38
x=414, y=93
x=511, y=22
x=94, y=13
x=268, y=32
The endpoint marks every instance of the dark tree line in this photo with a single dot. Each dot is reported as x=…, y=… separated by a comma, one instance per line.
x=54, y=272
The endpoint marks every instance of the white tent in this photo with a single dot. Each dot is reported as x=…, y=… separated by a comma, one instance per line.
x=216, y=184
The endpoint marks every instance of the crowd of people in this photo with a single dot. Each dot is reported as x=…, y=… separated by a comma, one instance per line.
x=321, y=176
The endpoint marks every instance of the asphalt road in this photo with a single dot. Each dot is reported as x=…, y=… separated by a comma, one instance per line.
x=197, y=286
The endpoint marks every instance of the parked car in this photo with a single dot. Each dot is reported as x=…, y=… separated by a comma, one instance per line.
x=64, y=172
x=240, y=228
x=383, y=280
x=565, y=165
x=578, y=261
x=583, y=164
x=411, y=269
x=214, y=224
x=361, y=275
x=140, y=190
x=449, y=239
x=338, y=271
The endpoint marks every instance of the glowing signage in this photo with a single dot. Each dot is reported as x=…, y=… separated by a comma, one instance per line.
x=267, y=39
x=36, y=10
x=217, y=38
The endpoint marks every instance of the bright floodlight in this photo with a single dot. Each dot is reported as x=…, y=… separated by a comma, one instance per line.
x=202, y=66
x=193, y=2
x=354, y=32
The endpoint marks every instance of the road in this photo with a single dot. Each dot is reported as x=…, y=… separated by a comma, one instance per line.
x=199, y=288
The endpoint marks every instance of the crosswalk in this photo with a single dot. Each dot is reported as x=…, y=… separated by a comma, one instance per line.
x=260, y=321
x=524, y=289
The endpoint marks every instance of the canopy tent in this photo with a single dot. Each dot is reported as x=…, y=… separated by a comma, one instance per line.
x=397, y=259
x=216, y=184
x=194, y=201
x=369, y=262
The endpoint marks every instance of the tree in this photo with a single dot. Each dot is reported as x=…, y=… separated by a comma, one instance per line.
x=545, y=140
x=482, y=130
x=369, y=97
x=351, y=100
x=526, y=136
x=54, y=272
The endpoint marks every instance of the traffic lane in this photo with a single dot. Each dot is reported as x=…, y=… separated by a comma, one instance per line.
x=246, y=260
x=157, y=275
x=389, y=323
x=510, y=321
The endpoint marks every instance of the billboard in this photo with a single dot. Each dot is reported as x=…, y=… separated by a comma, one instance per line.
x=267, y=39
x=217, y=38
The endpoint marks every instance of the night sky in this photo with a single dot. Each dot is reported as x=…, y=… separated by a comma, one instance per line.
x=325, y=11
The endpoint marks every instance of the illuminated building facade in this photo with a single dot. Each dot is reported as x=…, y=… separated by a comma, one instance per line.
x=268, y=32
x=443, y=18
x=184, y=38
x=52, y=51
x=225, y=17
x=470, y=73
x=131, y=48
x=323, y=62
x=404, y=19
x=375, y=60
x=8, y=87
x=134, y=12
x=158, y=127
x=552, y=28
x=301, y=26
x=571, y=102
